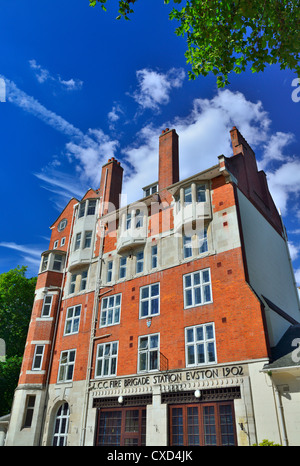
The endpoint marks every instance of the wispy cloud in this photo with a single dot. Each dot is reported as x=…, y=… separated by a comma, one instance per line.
x=31, y=255
x=43, y=75
x=88, y=151
x=154, y=87
x=29, y=104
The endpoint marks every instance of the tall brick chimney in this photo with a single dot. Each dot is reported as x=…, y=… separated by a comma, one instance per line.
x=111, y=184
x=168, y=168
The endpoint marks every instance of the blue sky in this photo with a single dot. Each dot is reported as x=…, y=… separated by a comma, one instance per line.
x=82, y=87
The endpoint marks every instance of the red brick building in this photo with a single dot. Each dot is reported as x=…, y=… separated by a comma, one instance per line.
x=152, y=321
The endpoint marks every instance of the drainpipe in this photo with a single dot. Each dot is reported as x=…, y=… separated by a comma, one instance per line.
x=282, y=429
x=94, y=318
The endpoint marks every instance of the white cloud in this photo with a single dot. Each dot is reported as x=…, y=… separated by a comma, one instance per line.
x=71, y=84
x=297, y=278
x=274, y=148
x=42, y=75
x=31, y=255
x=115, y=113
x=29, y=104
x=203, y=136
x=284, y=184
x=294, y=250
x=154, y=88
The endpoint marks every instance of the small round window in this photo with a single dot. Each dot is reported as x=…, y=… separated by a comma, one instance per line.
x=62, y=224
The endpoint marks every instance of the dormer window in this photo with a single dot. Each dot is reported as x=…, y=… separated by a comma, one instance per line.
x=87, y=208
x=151, y=189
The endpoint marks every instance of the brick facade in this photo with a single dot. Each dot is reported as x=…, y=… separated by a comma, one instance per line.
x=93, y=242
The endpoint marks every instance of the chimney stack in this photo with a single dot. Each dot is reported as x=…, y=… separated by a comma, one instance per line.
x=168, y=169
x=111, y=185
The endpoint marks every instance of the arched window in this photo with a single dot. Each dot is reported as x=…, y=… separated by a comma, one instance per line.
x=61, y=426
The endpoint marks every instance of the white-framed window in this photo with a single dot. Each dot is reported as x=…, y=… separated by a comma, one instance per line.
x=122, y=270
x=55, y=244
x=72, y=283
x=72, y=320
x=201, y=193
x=187, y=247
x=106, y=360
x=139, y=262
x=128, y=221
x=154, y=257
x=81, y=210
x=66, y=366
x=61, y=426
x=149, y=300
x=197, y=288
x=63, y=241
x=91, y=207
x=77, y=241
x=57, y=262
x=200, y=345
x=202, y=241
x=38, y=357
x=88, y=239
x=83, y=281
x=45, y=262
x=139, y=219
x=148, y=353
x=109, y=271
x=47, y=304
x=150, y=189
x=187, y=195
x=110, y=310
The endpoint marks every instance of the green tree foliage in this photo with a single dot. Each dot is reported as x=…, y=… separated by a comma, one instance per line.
x=16, y=301
x=227, y=36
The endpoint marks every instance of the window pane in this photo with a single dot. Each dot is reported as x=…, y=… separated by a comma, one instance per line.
x=143, y=361
x=145, y=292
x=207, y=294
x=211, y=352
x=188, y=281
x=200, y=354
x=190, y=335
x=209, y=332
x=205, y=276
x=91, y=207
x=190, y=354
x=196, y=278
x=198, y=295
x=188, y=195
x=143, y=343
x=154, y=306
x=154, y=341
x=188, y=298
x=155, y=290
x=145, y=308
x=153, y=360
x=201, y=193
